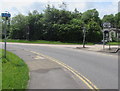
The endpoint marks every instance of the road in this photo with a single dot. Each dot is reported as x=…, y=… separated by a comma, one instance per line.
x=100, y=69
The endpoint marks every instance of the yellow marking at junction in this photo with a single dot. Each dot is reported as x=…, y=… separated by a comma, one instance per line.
x=76, y=73
x=39, y=57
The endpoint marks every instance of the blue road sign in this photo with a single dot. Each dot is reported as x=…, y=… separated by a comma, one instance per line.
x=6, y=15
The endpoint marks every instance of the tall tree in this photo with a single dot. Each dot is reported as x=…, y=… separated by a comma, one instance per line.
x=34, y=25
x=91, y=15
x=110, y=19
x=94, y=33
x=18, y=27
x=117, y=20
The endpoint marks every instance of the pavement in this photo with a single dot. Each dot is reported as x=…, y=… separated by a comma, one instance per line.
x=95, y=48
x=99, y=48
x=75, y=68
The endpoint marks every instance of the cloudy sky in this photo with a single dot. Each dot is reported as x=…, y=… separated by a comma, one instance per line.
x=24, y=6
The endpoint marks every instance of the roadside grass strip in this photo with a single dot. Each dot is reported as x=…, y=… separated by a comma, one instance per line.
x=46, y=42
x=0, y=70
x=15, y=73
x=114, y=43
x=76, y=73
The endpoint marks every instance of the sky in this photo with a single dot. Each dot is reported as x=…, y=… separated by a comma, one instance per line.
x=24, y=6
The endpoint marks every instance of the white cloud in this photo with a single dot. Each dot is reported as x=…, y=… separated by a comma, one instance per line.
x=90, y=0
x=110, y=9
x=24, y=6
x=32, y=1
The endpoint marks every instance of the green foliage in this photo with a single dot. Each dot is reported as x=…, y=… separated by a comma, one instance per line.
x=110, y=19
x=18, y=27
x=90, y=15
x=117, y=20
x=60, y=25
x=94, y=33
x=114, y=43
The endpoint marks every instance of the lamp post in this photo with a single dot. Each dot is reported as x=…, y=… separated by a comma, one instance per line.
x=6, y=15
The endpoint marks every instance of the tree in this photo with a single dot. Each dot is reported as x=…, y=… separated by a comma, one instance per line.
x=90, y=15
x=60, y=25
x=35, y=27
x=18, y=27
x=76, y=14
x=117, y=20
x=63, y=6
x=110, y=19
x=94, y=33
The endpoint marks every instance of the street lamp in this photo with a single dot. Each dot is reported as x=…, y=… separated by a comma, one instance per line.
x=6, y=15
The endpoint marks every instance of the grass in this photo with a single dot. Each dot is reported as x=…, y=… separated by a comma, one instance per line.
x=114, y=43
x=15, y=73
x=45, y=42
x=0, y=71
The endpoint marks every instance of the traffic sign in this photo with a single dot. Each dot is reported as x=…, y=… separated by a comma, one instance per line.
x=106, y=25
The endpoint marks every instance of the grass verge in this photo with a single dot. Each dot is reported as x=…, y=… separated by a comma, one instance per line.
x=45, y=42
x=114, y=43
x=15, y=73
x=0, y=70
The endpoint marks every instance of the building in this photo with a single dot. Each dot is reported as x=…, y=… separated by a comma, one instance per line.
x=111, y=34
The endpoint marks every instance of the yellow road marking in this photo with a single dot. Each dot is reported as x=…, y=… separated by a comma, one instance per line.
x=76, y=73
x=39, y=57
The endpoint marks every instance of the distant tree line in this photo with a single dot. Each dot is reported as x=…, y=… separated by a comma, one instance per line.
x=60, y=25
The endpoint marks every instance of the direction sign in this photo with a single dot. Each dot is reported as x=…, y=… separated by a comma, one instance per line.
x=6, y=15
x=106, y=25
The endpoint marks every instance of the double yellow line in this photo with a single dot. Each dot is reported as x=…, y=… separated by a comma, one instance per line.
x=76, y=73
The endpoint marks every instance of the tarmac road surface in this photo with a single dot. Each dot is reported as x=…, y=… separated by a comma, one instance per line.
x=100, y=69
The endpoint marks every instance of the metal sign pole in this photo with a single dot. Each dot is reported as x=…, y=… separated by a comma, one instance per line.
x=103, y=40
x=84, y=38
x=5, y=36
x=109, y=39
x=6, y=15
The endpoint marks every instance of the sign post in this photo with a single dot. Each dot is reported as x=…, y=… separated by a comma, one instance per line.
x=103, y=40
x=84, y=32
x=106, y=25
x=6, y=15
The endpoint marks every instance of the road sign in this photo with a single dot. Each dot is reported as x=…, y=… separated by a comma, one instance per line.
x=106, y=25
x=6, y=15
